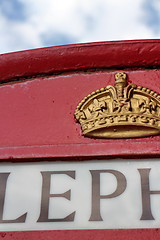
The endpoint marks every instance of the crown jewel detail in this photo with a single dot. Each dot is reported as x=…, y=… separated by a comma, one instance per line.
x=122, y=111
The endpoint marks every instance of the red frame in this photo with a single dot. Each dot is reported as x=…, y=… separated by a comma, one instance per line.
x=80, y=57
x=25, y=75
x=127, y=234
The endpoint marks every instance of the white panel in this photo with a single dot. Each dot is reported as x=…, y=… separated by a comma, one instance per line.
x=24, y=191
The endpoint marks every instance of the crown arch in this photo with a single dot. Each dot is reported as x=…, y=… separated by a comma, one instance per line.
x=120, y=112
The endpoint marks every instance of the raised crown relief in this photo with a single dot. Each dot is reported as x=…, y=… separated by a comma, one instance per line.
x=122, y=111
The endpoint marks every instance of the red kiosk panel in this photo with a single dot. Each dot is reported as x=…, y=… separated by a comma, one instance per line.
x=39, y=93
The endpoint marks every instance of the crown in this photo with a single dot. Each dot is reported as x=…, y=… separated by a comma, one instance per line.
x=122, y=111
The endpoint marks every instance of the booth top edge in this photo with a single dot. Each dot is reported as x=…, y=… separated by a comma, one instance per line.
x=80, y=57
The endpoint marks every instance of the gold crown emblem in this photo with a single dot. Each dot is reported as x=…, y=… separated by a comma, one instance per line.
x=122, y=111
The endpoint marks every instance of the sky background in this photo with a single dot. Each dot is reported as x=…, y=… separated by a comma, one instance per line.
x=27, y=24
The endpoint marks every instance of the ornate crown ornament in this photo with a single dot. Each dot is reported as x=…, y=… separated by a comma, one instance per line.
x=122, y=111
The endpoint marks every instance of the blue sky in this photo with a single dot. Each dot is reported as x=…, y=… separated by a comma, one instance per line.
x=26, y=24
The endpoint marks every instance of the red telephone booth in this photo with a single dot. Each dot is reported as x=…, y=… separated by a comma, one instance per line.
x=80, y=142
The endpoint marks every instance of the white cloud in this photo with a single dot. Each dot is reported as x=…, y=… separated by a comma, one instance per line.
x=17, y=36
x=120, y=20
x=83, y=20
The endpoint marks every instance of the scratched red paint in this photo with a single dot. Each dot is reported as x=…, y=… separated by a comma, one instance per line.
x=39, y=92
x=37, y=112
x=140, y=234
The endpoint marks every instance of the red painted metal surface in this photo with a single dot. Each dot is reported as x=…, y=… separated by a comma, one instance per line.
x=37, y=117
x=39, y=92
x=104, y=55
x=139, y=234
